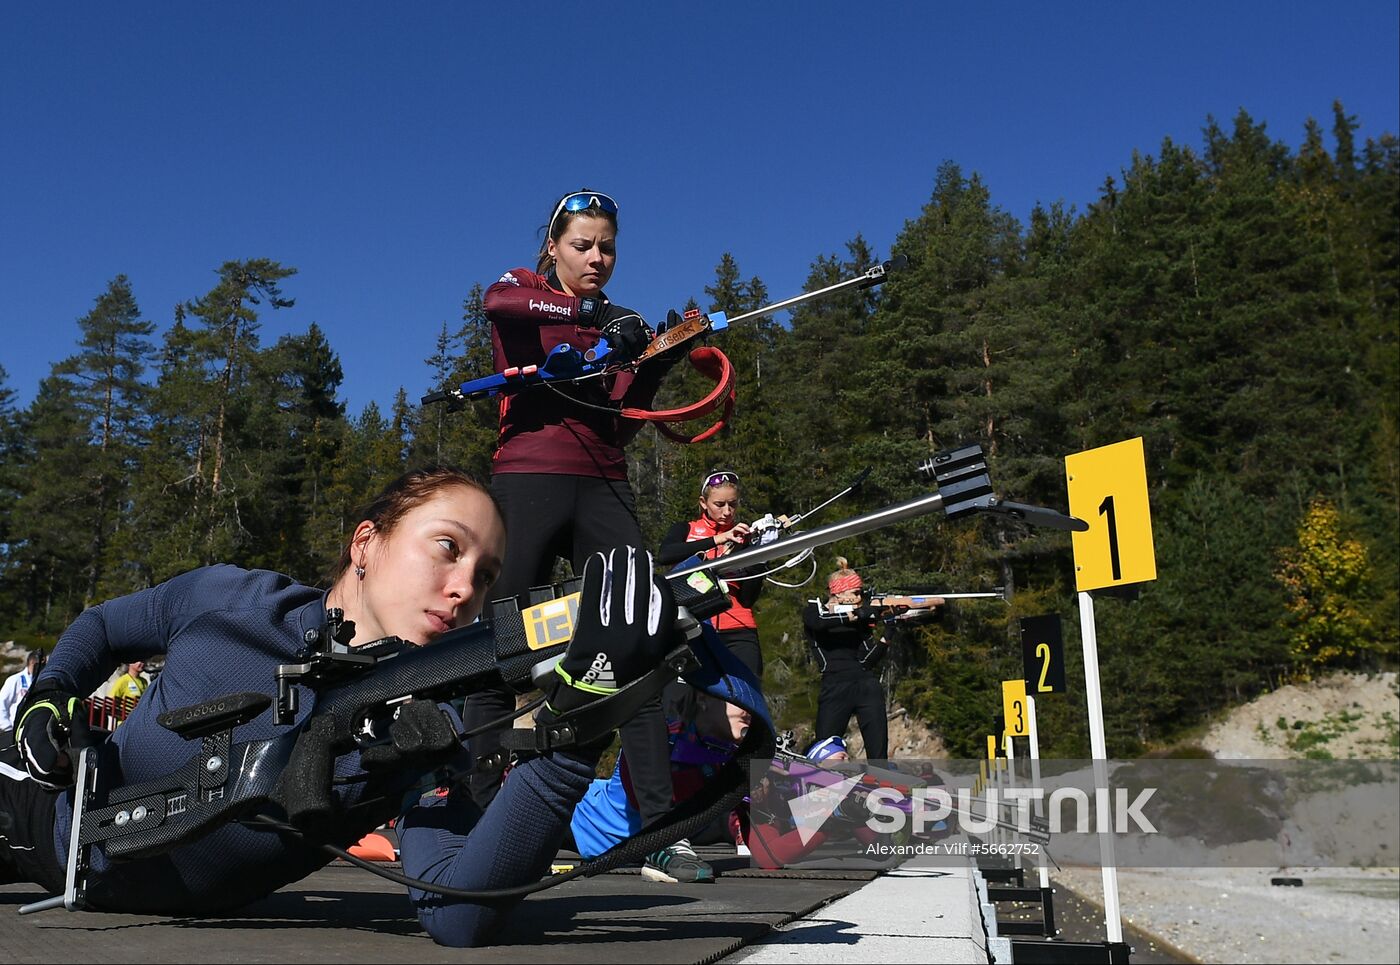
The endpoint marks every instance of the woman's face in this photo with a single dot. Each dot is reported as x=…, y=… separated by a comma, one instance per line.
x=584, y=255
x=722, y=720
x=720, y=504
x=432, y=572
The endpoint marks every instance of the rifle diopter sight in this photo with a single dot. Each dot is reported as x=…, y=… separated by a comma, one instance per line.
x=963, y=482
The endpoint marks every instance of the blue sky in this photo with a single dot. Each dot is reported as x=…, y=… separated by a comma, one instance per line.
x=397, y=154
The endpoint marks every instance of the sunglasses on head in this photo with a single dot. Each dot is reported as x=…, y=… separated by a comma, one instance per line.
x=721, y=479
x=582, y=201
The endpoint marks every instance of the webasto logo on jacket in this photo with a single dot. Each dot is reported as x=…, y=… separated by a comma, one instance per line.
x=551, y=308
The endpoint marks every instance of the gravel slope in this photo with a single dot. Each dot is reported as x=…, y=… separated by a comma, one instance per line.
x=1235, y=914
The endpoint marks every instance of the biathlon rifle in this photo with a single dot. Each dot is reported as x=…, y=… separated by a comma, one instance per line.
x=356, y=693
x=906, y=605
x=769, y=528
x=566, y=363
x=914, y=601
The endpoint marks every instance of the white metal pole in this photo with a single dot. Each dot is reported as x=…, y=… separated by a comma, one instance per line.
x=1010, y=783
x=1113, y=918
x=993, y=792
x=1038, y=805
x=996, y=783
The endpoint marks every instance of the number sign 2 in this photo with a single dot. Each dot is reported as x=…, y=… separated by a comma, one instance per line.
x=1043, y=655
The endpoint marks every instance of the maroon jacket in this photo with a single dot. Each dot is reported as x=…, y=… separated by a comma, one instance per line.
x=541, y=431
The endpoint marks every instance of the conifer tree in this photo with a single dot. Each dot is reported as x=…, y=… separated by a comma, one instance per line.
x=107, y=383
x=10, y=441
x=304, y=428
x=462, y=437
x=214, y=414
x=51, y=532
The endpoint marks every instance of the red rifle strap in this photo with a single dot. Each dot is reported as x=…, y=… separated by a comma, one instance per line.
x=713, y=364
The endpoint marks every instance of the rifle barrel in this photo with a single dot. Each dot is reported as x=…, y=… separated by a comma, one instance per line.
x=792, y=545
x=873, y=276
x=988, y=595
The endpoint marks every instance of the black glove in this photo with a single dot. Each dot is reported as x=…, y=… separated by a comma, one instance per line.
x=680, y=350
x=626, y=624
x=627, y=332
x=873, y=651
x=855, y=806
x=420, y=734
x=867, y=615
x=44, y=734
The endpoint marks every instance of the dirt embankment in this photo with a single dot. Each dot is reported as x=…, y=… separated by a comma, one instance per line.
x=909, y=739
x=1341, y=717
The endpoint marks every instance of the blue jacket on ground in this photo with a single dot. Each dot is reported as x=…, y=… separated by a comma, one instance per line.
x=225, y=630
x=608, y=813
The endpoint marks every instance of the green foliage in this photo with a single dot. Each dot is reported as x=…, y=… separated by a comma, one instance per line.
x=11, y=477
x=464, y=438
x=1185, y=649
x=49, y=535
x=1324, y=576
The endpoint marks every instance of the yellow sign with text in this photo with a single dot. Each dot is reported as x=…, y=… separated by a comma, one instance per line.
x=1013, y=708
x=1108, y=489
x=551, y=622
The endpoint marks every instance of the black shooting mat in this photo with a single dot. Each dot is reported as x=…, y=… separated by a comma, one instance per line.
x=344, y=914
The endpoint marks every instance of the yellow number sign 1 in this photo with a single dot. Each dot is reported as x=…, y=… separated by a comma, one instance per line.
x=1108, y=487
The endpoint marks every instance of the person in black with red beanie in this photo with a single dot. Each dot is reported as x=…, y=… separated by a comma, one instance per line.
x=848, y=642
x=559, y=470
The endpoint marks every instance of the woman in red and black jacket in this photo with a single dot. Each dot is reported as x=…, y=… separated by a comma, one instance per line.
x=553, y=431
x=715, y=533
x=559, y=471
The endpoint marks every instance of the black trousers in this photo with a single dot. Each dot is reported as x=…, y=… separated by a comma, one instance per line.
x=549, y=516
x=744, y=645
x=27, y=852
x=847, y=692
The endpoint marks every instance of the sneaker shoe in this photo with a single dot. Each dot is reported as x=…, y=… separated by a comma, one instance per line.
x=678, y=864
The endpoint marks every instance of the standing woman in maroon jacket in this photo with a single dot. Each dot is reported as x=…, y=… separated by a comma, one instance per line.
x=559, y=470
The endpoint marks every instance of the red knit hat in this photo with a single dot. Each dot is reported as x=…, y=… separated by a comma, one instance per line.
x=844, y=579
